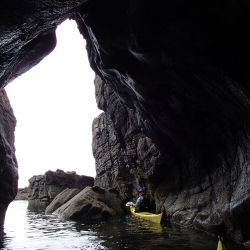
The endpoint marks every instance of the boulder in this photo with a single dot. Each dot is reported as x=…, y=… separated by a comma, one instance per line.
x=61, y=198
x=91, y=203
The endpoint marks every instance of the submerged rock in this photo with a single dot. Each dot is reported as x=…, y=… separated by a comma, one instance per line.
x=92, y=203
x=44, y=188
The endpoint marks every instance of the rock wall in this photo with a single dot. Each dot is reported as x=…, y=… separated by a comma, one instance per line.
x=183, y=70
x=125, y=158
x=210, y=200
x=8, y=163
x=44, y=188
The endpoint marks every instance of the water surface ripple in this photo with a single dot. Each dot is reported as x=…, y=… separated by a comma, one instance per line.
x=29, y=230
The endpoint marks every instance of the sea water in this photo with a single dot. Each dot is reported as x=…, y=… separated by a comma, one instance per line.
x=30, y=230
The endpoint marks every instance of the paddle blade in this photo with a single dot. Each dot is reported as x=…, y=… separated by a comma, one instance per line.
x=130, y=204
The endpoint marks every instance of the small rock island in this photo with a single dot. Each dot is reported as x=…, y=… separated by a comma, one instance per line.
x=72, y=196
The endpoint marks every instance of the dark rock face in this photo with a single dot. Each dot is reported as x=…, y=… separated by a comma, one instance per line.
x=44, y=188
x=179, y=68
x=125, y=157
x=184, y=70
x=28, y=33
x=8, y=163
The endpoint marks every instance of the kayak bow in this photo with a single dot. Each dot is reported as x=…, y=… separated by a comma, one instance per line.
x=156, y=218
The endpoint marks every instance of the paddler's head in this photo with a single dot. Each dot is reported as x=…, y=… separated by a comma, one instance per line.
x=141, y=191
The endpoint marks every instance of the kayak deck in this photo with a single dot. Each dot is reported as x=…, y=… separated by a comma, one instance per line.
x=156, y=218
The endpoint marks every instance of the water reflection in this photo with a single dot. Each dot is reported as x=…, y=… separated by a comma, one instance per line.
x=30, y=230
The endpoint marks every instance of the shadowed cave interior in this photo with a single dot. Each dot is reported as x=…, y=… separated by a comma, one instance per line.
x=173, y=82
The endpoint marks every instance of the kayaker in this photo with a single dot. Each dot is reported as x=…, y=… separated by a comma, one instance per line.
x=141, y=202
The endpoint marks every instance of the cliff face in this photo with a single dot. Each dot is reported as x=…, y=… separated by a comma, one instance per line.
x=125, y=157
x=212, y=200
x=183, y=70
x=176, y=72
x=8, y=163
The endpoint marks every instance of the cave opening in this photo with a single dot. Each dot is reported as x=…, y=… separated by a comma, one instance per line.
x=54, y=105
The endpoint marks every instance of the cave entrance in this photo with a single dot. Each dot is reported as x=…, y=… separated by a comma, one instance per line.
x=54, y=104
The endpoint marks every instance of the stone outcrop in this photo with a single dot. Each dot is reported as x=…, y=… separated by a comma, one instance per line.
x=92, y=203
x=44, y=188
x=179, y=68
x=8, y=163
x=61, y=198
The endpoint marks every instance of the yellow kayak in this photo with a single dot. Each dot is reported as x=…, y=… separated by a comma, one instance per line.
x=156, y=218
x=220, y=245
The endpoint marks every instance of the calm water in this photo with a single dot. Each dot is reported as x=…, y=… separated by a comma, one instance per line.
x=28, y=230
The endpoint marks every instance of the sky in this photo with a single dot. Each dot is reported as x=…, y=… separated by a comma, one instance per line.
x=54, y=104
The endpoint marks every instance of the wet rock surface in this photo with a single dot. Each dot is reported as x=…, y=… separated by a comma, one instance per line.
x=44, y=188
x=180, y=72
x=61, y=198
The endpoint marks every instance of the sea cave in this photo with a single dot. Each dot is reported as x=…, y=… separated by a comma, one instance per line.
x=173, y=81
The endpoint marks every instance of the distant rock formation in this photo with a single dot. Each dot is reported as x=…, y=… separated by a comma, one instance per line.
x=44, y=188
x=22, y=194
x=92, y=203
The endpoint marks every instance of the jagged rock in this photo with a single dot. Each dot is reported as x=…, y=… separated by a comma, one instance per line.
x=44, y=188
x=92, y=203
x=61, y=198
